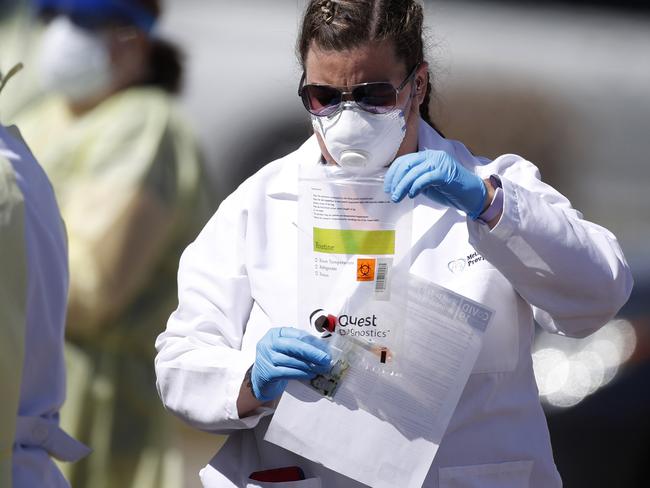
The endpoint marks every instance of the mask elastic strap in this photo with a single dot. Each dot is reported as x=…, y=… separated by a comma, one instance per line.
x=412, y=94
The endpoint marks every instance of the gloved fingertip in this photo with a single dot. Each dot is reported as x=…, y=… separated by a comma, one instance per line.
x=325, y=359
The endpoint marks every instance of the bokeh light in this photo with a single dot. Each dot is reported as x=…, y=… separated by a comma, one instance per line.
x=569, y=370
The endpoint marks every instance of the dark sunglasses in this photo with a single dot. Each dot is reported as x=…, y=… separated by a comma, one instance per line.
x=377, y=97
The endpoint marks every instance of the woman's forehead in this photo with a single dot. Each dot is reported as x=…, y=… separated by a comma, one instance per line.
x=369, y=62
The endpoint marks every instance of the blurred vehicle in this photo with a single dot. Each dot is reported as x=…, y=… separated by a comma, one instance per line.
x=603, y=439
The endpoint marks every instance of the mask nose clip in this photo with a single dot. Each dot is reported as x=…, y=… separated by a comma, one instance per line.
x=346, y=105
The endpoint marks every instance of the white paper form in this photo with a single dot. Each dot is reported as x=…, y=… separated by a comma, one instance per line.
x=384, y=431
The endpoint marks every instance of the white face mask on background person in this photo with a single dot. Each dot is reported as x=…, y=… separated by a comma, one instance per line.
x=75, y=62
x=362, y=142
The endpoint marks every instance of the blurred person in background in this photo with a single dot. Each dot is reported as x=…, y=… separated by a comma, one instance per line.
x=128, y=178
x=33, y=292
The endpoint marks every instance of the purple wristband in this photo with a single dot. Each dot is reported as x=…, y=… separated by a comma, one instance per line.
x=496, y=205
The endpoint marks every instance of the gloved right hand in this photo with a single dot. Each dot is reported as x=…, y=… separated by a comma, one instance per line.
x=283, y=354
x=439, y=176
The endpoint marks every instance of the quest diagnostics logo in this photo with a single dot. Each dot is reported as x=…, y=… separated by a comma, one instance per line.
x=346, y=324
x=323, y=323
x=358, y=326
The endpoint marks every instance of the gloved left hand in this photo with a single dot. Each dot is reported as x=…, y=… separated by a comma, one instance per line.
x=440, y=177
x=286, y=353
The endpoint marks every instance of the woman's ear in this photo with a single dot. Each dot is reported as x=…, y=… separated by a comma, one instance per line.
x=421, y=82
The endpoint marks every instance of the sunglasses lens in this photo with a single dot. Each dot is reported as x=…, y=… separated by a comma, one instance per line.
x=377, y=98
x=321, y=100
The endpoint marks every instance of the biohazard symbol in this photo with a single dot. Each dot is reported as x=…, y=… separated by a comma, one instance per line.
x=366, y=269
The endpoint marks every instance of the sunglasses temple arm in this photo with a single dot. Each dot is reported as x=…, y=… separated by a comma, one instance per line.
x=408, y=78
x=300, y=85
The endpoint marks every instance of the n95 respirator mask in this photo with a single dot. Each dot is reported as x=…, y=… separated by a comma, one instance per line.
x=75, y=62
x=362, y=142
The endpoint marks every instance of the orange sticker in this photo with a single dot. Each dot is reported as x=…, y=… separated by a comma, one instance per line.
x=366, y=269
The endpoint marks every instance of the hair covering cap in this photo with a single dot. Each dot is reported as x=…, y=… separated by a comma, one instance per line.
x=97, y=12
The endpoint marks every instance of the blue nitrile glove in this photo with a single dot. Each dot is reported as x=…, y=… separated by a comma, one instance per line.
x=286, y=354
x=440, y=177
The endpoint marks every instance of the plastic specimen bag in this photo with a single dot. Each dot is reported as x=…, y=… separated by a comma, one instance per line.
x=353, y=265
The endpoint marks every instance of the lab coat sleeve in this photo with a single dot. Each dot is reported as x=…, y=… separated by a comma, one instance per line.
x=571, y=271
x=13, y=290
x=200, y=365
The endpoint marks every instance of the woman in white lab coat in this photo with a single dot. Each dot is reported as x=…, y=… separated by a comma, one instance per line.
x=490, y=230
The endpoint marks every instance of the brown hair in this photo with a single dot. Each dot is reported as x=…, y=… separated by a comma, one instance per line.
x=338, y=25
x=165, y=59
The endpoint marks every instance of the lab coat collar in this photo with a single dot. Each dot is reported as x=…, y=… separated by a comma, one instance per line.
x=428, y=138
x=285, y=185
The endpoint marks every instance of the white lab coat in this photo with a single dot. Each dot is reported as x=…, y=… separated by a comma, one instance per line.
x=541, y=262
x=42, y=390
